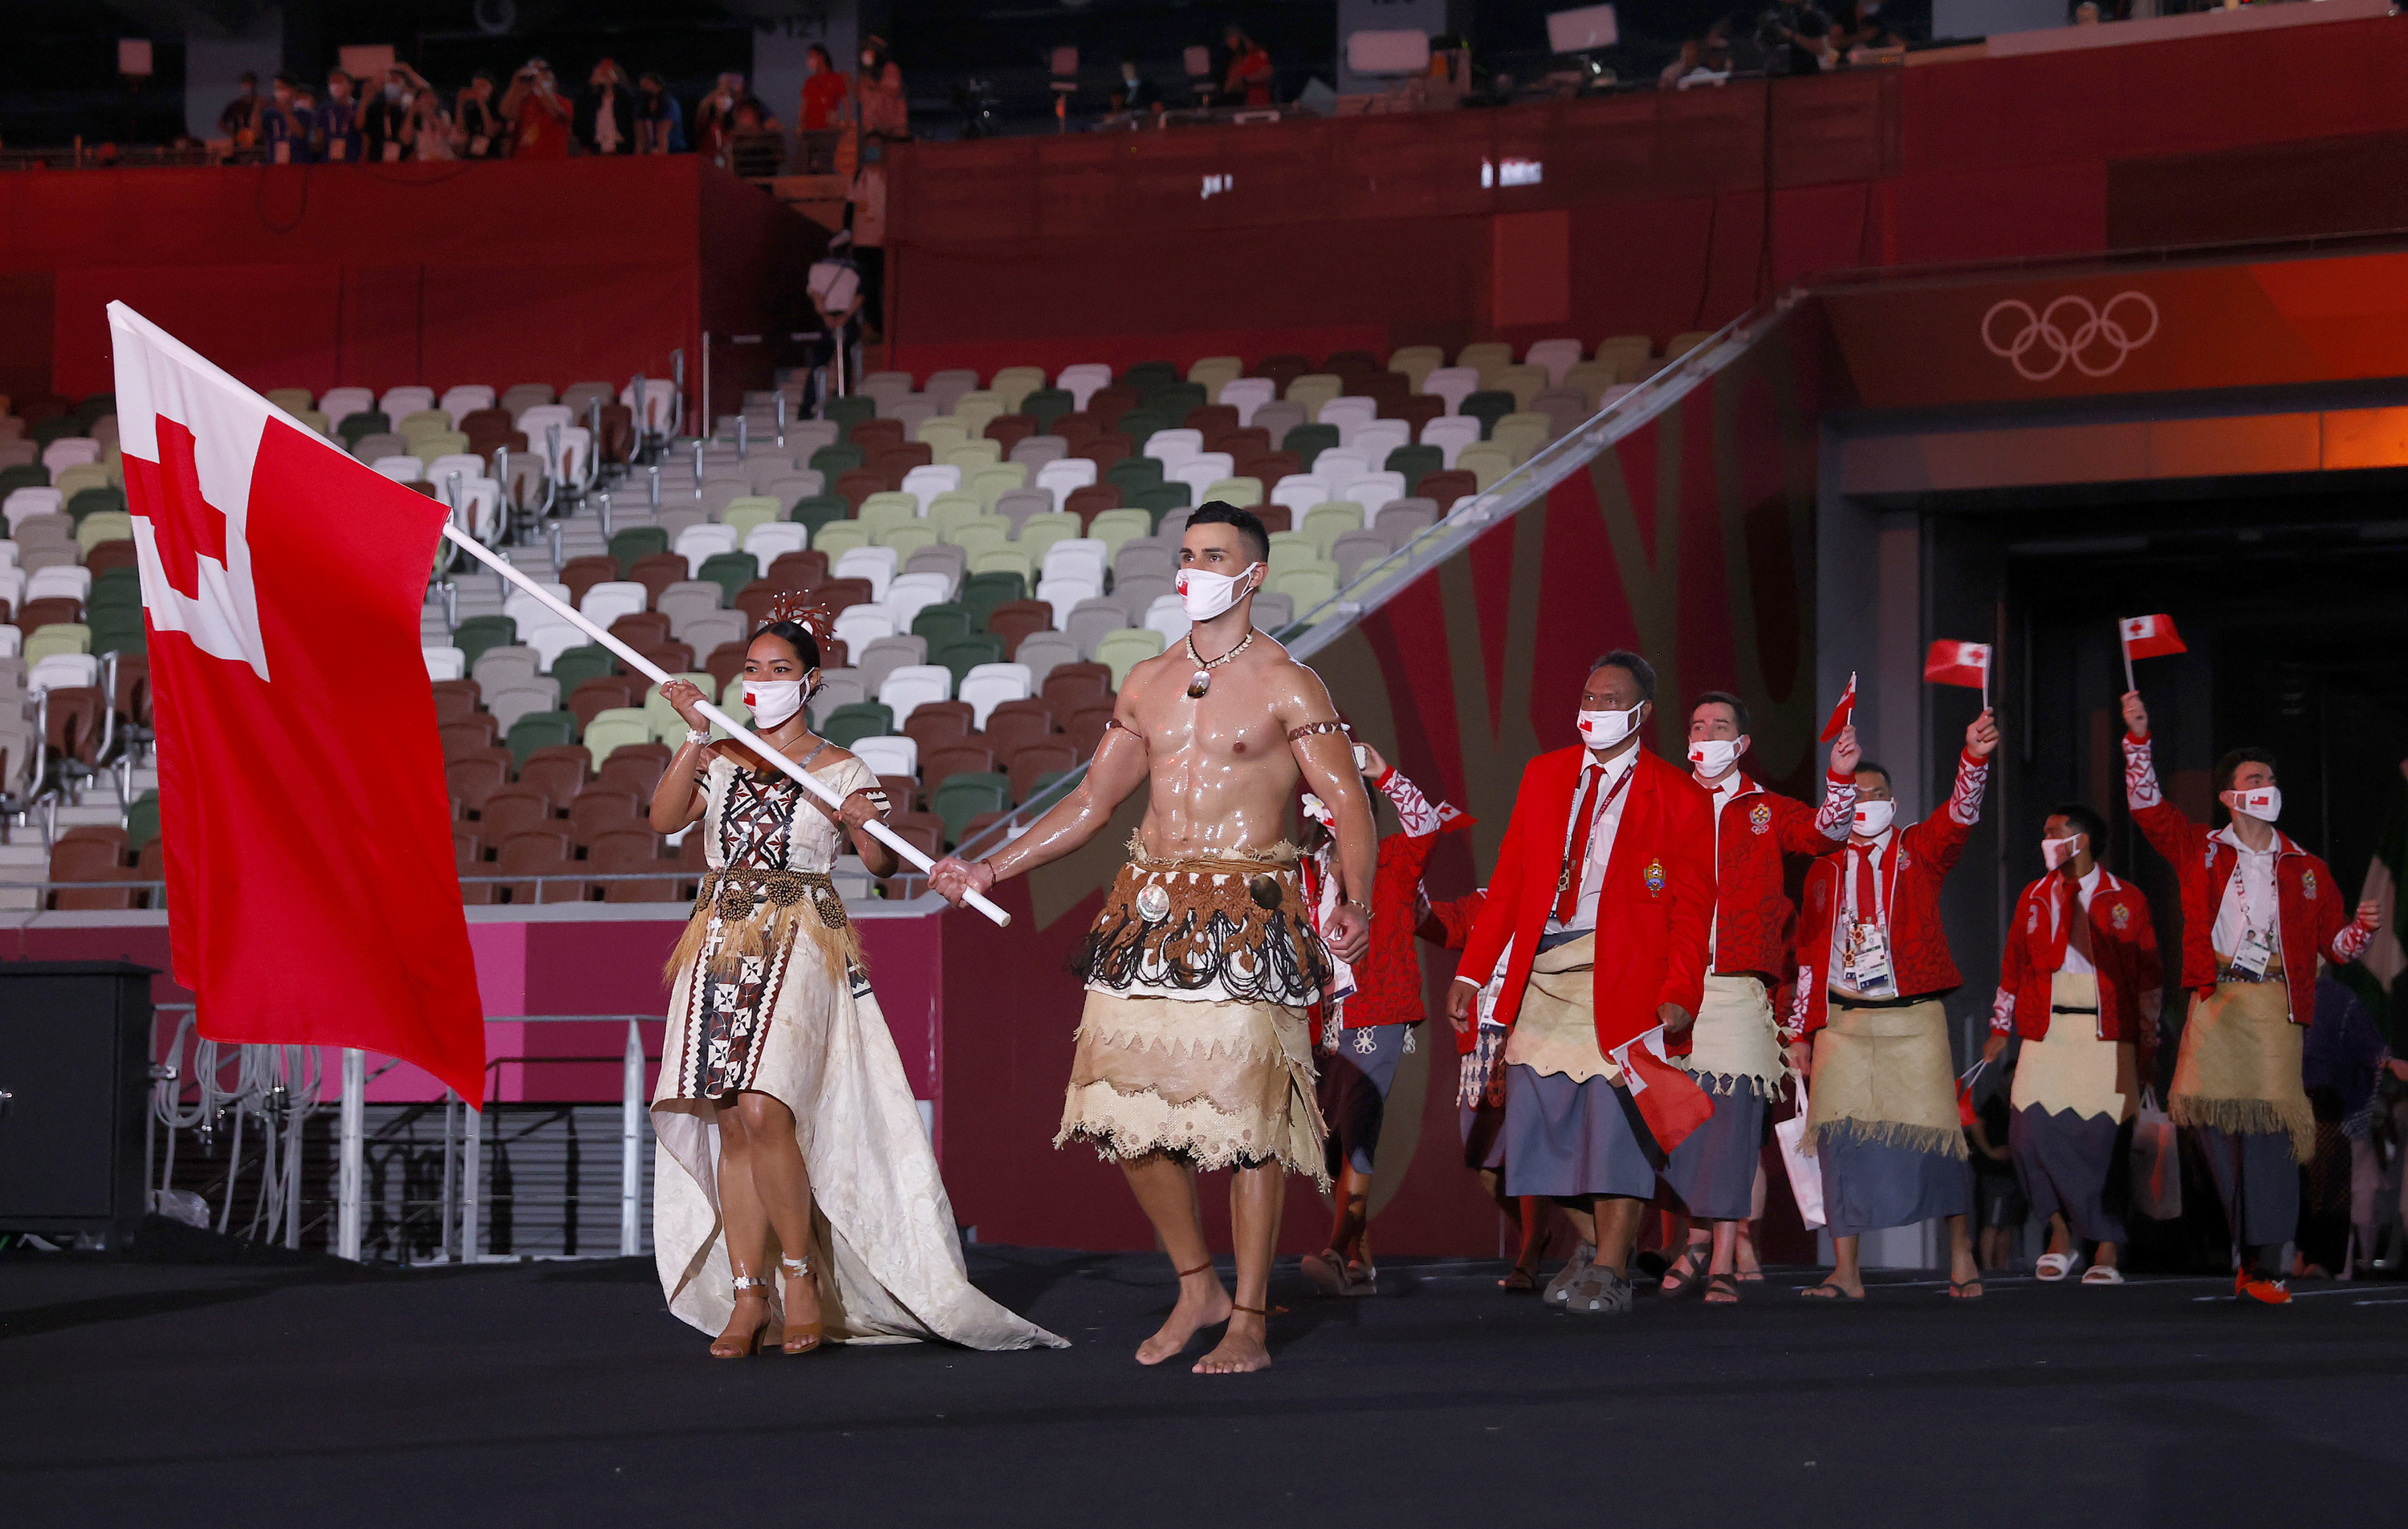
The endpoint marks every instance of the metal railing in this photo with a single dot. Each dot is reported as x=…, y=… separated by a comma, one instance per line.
x=462, y=1192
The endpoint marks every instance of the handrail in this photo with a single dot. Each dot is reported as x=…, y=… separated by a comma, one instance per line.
x=1376, y=581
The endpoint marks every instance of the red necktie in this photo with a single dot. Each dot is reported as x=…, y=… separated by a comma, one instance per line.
x=1568, y=886
x=1868, y=892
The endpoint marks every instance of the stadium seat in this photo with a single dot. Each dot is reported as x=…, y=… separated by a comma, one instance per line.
x=1123, y=651
x=855, y=721
x=962, y=797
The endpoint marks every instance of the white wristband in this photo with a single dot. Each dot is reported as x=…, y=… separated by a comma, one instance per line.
x=697, y=734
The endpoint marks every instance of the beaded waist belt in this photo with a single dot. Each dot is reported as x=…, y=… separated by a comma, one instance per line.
x=739, y=891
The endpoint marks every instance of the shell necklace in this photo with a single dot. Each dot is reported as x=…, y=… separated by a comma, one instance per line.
x=1204, y=667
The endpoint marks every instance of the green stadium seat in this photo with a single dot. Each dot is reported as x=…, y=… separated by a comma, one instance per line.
x=848, y=412
x=849, y=724
x=963, y=654
x=1133, y=475
x=575, y=665
x=941, y=624
x=961, y=797
x=730, y=571
x=142, y=820
x=479, y=633
x=541, y=730
x=833, y=462
x=637, y=541
x=1046, y=405
x=1161, y=500
x=357, y=427
x=1309, y=441
x=1488, y=407
x=1414, y=461
x=982, y=591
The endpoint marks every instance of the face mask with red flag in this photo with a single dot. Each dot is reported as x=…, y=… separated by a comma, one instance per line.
x=314, y=897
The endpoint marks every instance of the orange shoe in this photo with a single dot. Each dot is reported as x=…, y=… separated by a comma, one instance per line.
x=2267, y=1290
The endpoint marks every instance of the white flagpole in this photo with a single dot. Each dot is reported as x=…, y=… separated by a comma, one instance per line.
x=742, y=735
x=2126, y=648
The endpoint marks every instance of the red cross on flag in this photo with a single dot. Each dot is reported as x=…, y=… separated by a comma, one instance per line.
x=312, y=898
x=2150, y=636
x=1958, y=663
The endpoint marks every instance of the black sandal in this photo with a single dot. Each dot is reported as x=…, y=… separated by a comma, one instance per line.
x=1721, y=1290
x=1689, y=1276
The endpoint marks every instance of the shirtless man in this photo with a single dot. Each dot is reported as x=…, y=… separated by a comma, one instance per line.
x=1194, y=1050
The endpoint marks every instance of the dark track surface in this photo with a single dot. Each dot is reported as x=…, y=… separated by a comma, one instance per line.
x=543, y=1393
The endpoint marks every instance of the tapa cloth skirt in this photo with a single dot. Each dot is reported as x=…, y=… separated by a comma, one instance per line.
x=2238, y=1071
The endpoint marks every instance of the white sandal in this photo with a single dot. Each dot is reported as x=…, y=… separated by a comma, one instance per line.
x=2102, y=1273
x=2052, y=1267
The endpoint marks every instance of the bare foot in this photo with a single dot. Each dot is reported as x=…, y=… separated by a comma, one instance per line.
x=1240, y=1351
x=1201, y=1303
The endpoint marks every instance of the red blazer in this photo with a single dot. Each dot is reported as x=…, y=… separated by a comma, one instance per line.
x=2310, y=912
x=1919, y=859
x=1752, y=912
x=2123, y=948
x=1652, y=911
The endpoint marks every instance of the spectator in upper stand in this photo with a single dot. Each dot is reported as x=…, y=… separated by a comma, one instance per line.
x=278, y=129
x=477, y=130
x=1715, y=57
x=339, y=121
x=536, y=114
x=880, y=103
x=606, y=113
x=1249, y=80
x=821, y=111
x=660, y=121
x=1864, y=39
x=1139, y=96
x=1683, y=64
x=239, y=120
x=1794, y=34
x=714, y=117
x=757, y=144
x=427, y=128
x=387, y=121
x=308, y=141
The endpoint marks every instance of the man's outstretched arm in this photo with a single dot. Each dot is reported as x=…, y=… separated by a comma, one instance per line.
x=1117, y=769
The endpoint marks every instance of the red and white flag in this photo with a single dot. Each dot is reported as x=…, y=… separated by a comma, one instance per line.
x=1958, y=663
x=312, y=897
x=1843, y=714
x=1668, y=1099
x=2150, y=636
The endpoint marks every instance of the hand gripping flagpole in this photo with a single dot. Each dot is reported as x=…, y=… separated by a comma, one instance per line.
x=743, y=735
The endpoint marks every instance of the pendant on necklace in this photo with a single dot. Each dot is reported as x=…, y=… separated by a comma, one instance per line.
x=1198, y=686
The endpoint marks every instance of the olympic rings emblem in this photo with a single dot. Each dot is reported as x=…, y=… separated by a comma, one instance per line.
x=2095, y=342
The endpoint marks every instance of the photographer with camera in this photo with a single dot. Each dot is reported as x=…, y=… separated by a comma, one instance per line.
x=1794, y=35
x=535, y=107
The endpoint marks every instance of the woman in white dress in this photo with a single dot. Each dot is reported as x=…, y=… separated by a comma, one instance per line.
x=788, y=1136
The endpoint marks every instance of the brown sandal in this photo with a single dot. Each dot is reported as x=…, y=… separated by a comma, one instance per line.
x=803, y=1337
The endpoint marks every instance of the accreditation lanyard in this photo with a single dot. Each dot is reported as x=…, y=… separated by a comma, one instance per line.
x=1572, y=825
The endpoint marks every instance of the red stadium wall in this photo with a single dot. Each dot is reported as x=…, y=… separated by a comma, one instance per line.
x=1672, y=210
x=373, y=275
x=1692, y=540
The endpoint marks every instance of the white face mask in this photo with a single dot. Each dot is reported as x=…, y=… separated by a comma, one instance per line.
x=1873, y=818
x=1604, y=729
x=1206, y=595
x=2056, y=852
x=2265, y=804
x=773, y=700
x=1711, y=757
